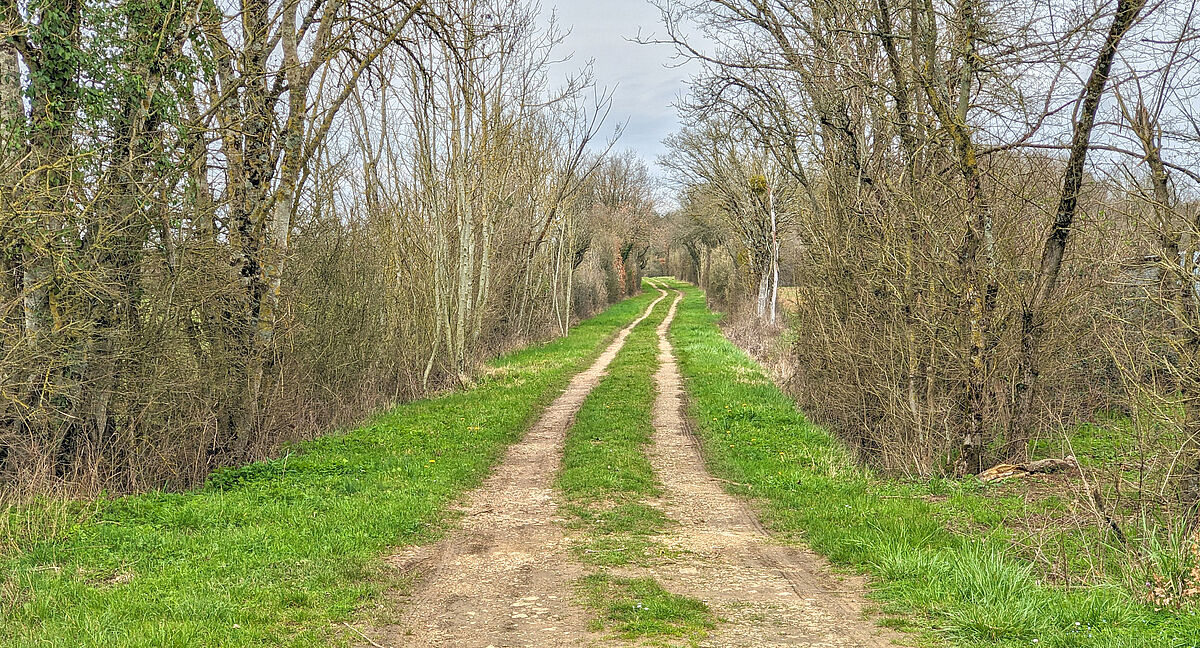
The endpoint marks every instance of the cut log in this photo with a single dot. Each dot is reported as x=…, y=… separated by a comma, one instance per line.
x=1004, y=471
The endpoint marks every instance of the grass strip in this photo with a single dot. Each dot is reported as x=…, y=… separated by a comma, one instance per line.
x=605, y=474
x=949, y=588
x=639, y=607
x=605, y=480
x=276, y=553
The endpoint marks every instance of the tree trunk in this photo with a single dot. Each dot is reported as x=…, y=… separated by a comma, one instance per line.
x=764, y=282
x=774, y=255
x=1171, y=297
x=977, y=259
x=1033, y=316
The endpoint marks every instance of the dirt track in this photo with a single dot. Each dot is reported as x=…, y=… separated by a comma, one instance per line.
x=506, y=577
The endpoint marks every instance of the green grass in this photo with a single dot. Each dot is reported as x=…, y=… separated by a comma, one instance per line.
x=637, y=608
x=1101, y=443
x=274, y=553
x=605, y=474
x=963, y=589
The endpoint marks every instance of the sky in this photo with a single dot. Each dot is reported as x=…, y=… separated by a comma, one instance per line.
x=642, y=78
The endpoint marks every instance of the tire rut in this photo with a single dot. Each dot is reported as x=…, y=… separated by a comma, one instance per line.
x=768, y=594
x=505, y=577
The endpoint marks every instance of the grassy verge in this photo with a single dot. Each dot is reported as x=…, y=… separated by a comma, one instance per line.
x=950, y=588
x=605, y=481
x=274, y=553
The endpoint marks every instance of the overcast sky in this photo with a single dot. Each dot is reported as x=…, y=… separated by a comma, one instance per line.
x=644, y=83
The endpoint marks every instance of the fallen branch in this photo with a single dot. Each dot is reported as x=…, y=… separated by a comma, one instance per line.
x=1008, y=471
x=732, y=483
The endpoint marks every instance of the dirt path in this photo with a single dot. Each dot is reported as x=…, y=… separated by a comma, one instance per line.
x=505, y=577
x=769, y=594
